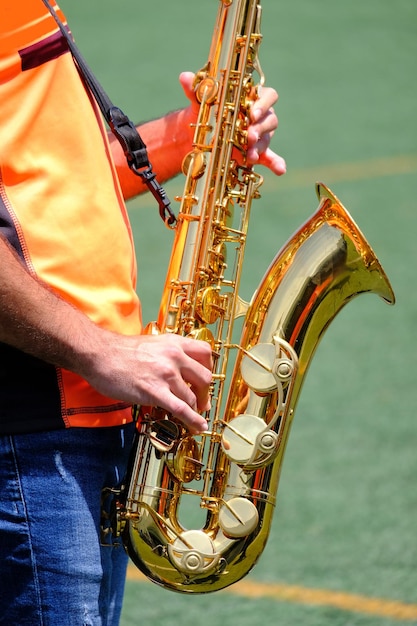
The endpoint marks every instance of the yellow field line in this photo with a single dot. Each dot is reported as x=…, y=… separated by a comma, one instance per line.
x=380, y=607
x=345, y=172
x=329, y=174
x=339, y=600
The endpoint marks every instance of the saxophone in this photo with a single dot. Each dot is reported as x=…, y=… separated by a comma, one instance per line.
x=233, y=469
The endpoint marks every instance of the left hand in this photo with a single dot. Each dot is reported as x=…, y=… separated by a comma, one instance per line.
x=264, y=122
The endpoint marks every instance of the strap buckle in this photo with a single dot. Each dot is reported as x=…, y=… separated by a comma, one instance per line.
x=149, y=179
x=137, y=158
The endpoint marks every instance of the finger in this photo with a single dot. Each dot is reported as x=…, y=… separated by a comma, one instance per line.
x=199, y=379
x=190, y=382
x=264, y=129
x=186, y=79
x=195, y=423
x=183, y=411
x=255, y=148
x=267, y=99
x=269, y=159
x=198, y=373
x=200, y=351
x=195, y=365
x=273, y=162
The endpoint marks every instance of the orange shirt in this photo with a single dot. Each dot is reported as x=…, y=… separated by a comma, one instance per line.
x=60, y=206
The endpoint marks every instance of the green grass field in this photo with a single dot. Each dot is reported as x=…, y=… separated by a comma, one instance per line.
x=343, y=544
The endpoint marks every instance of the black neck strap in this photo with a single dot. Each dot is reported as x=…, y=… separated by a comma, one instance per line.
x=124, y=130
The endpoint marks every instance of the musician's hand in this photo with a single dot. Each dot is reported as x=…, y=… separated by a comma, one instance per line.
x=264, y=122
x=167, y=370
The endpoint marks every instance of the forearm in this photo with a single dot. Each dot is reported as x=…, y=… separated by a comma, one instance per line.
x=167, y=143
x=35, y=320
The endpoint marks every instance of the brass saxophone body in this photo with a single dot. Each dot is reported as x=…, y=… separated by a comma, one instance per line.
x=232, y=471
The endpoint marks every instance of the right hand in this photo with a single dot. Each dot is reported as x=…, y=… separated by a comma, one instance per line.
x=168, y=371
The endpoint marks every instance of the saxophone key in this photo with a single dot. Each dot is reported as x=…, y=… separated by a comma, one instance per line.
x=194, y=164
x=193, y=552
x=247, y=439
x=163, y=434
x=206, y=90
x=209, y=305
x=238, y=517
x=185, y=463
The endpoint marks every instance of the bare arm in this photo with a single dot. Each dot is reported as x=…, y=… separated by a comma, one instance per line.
x=168, y=139
x=169, y=371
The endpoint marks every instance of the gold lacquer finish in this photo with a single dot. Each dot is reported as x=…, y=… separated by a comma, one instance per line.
x=231, y=473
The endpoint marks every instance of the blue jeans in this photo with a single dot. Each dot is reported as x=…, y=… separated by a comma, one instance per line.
x=53, y=570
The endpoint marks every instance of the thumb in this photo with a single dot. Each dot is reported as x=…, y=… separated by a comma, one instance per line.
x=186, y=80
